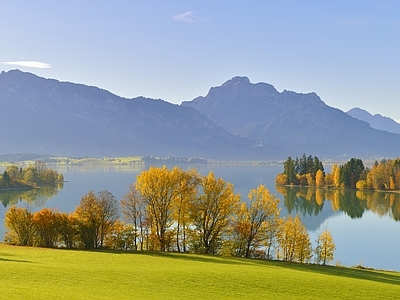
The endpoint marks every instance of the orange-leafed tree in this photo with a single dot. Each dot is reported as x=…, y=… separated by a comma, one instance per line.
x=46, y=226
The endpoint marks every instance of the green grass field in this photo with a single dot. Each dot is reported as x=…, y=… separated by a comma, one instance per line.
x=36, y=273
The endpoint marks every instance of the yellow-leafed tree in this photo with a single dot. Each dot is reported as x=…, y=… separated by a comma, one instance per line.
x=294, y=241
x=256, y=221
x=211, y=212
x=325, y=248
x=20, y=228
x=159, y=188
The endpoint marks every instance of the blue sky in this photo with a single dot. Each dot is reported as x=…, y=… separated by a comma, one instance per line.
x=345, y=51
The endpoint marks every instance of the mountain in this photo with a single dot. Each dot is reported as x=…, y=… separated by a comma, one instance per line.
x=290, y=123
x=237, y=120
x=376, y=121
x=40, y=115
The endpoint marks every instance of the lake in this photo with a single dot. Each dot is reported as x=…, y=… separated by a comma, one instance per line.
x=363, y=225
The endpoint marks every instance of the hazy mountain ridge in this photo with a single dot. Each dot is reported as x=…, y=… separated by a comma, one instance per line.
x=376, y=121
x=291, y=122
x=48, y=116
x=237, y=120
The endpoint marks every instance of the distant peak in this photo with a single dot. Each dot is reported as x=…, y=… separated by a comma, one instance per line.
x=236, y=80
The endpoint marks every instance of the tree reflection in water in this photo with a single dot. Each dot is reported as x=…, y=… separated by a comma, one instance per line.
x=36, y=196
x=310, y=201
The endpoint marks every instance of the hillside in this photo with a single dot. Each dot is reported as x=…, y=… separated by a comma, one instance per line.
x=376, y=121
x=238, y=120
x=291, y=123
x=60, y=118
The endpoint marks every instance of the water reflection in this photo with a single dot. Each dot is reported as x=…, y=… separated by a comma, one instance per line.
x=37, y=197
x=310, y=201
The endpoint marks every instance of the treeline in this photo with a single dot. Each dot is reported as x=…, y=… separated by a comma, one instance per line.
x=173, y=210
x=31, y=176
x=383, y=175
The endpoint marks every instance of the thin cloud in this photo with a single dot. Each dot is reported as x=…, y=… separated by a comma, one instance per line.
x=186, y=17
x=29, y=64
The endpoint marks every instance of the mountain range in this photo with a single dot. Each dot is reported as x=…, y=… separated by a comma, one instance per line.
x=237, y=120
x=376, y=121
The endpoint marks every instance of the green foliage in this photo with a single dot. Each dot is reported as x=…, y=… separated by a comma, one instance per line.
x=300, y=171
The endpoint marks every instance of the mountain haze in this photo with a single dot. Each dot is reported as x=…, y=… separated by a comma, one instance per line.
x=237, y=120
x=47, y=116
x=291, y=123
x=376, y=121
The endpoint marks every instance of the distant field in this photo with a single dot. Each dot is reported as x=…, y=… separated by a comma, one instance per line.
x=126, y=160
x=36, y=273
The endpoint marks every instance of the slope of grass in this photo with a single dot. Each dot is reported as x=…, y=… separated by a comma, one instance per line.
x=35, y=273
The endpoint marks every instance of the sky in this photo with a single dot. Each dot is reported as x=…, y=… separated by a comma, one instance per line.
x=348, y=52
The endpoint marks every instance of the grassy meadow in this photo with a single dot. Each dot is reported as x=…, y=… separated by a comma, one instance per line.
x=37, y=273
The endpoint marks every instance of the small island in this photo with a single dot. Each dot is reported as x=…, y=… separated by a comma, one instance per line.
x=33, y=176
x=309, y=171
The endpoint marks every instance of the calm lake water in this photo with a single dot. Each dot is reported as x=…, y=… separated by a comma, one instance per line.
x=363, y=225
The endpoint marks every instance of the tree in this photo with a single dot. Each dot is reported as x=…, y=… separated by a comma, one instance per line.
x=254, y=221
x=109, y=213
x=336, y=175
x=325, y=247
x=14, y=172
x=46, y=227
x=187, y=190
x=289, y=171
x=20, y=227
x=211, y=212
x=294, y=241
x=319, y=178
x=133, y=209
x=40, y=167
x=95, y=216
x=68, y=226
x=159, y=188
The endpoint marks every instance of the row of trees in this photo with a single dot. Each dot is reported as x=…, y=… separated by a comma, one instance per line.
x=33, y=175
x=173, y=210
x=384, y=175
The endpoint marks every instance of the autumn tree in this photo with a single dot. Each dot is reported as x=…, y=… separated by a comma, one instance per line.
x=159, y=188
x=109, y=213
x=14, y=172
x=67, y=226
x=95, y=216
x=187, y=190
x=121, y=237
x=19, y=225
x=336, y=175
x=325, y=247
x=46, y=227
x=294, y=241
x=134, y=211
x=255, y=220
x=211, y=212
x=319, y=178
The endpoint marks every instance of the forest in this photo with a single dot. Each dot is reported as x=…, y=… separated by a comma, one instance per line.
x=174, y=210
x=309, y=171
